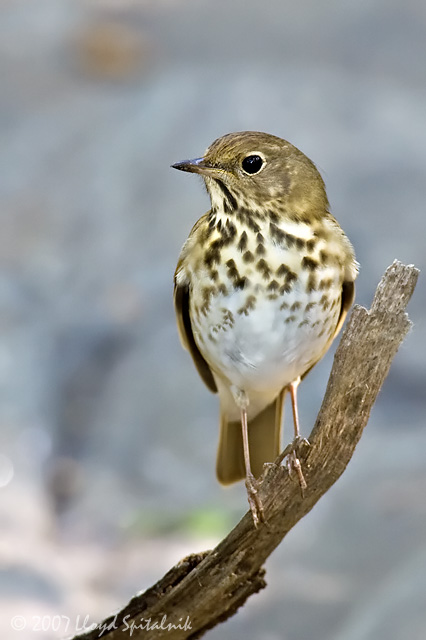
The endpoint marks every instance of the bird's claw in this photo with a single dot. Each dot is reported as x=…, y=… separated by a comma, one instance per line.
x=256, y=506
x=293, y=462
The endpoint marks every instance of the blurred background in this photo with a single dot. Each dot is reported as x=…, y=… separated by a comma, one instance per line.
x=107, y=435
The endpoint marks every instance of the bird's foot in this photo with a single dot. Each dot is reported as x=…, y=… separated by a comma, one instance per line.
x=293, y=462
x=254, y=500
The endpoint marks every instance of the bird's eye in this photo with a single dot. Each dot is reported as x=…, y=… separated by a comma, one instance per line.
x=252, y=164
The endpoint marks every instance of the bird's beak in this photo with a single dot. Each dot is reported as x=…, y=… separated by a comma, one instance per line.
x=198, y=165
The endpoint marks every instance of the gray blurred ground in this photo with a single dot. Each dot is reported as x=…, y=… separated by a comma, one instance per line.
x=108, y=438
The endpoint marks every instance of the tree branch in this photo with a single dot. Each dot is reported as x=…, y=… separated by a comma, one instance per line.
x=205, y=589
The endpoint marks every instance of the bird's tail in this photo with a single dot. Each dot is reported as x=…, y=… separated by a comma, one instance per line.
x=264, y=431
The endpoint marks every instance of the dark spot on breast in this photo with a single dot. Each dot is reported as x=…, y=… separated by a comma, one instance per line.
x=325, y=283
x=324, y=302
x=286, y=239
x=289, y=240
x=311, y=285
x=226, y=206
x=324, y=257
x=227, y=235
x=252, y=224
x=309, y=263
x=290, y=278
x=228, y=319
x=273, y=285
x=263, y=267
x=212, y=256
x=207, y=292
x=208, y=232
x=248, y=306
x=310, y=245
x=247, y=217
x=242, y=244
x=240, y=215
x=282, y=270
x=218, y=243
x=285, y=288
x=231, y=229
x=248, y=256
x=240, y=283
x=295, y=306
x=277, y=234
x=273, y=217
x=233, y=272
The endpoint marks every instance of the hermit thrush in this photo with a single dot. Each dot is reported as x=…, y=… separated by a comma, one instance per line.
x=262, y=287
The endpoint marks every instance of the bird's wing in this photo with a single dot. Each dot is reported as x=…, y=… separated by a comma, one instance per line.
x=348, y=296
x=181, y=301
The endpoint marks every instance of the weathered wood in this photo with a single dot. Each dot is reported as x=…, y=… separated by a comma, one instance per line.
x=205, y=589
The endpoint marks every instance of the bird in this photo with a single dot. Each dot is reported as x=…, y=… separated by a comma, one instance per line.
x=262, y=287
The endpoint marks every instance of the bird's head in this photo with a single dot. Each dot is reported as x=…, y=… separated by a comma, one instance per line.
x=257, y=171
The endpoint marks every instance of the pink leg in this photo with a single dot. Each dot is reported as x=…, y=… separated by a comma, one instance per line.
x=293, y=394
x=294, y=462
x=255, y=503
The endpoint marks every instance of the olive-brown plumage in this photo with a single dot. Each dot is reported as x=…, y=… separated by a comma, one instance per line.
x=262, y=287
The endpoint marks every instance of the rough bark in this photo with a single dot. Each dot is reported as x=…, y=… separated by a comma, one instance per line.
x=205, y=589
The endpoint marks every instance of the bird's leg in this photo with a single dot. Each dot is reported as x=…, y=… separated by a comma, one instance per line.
x=254, y=501
x=293, y=460
x=293, y=394
x=251, y=484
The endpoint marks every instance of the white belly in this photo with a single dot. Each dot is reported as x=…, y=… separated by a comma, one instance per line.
x=268, y=347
